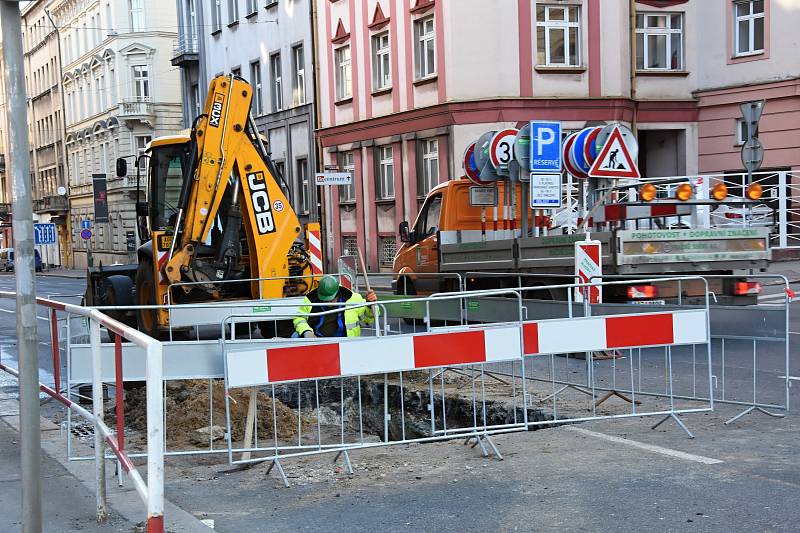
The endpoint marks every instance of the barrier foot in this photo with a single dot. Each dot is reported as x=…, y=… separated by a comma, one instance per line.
x=609, y=394
x=477, y=443
x=348, y=466
x=494, y=447
x=565, y=387
x=677, y=421
x=750, y=410
x=276, y=462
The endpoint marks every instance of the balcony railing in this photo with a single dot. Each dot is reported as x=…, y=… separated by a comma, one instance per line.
x=51, y=203
x=184, y=49
x=136, y=106
x=187, y=44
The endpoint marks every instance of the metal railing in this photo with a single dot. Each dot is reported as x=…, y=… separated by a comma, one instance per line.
x=151, y=492
x=186, y=44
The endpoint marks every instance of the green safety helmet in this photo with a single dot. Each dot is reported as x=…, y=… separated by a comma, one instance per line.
x=328, y=287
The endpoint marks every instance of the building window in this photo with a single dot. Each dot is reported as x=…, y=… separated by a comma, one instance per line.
x=381, y=78
x=299, y=80
x=141, y=82
x=741, y=131
x=558, y=36
x=237, y=72
x=344, y=80
x=277, y=84
x=233, y=11
x=301, y=199
x=749, y=27
x=255, y=79
x=425, y=48
x=659, y=41
x=347, y=193
x=216, y=16
x=252, y=7
x=387, y=248
x=141, y=143
x=137, y=15
x=385, y=173
x=350, y=245
x=430, y=166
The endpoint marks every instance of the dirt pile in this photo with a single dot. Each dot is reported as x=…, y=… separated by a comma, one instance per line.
x=187, y=409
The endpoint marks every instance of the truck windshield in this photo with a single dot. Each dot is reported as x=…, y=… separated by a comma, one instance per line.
x=166, y=176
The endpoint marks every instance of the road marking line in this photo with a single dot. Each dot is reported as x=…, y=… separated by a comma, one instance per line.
x=648, y=447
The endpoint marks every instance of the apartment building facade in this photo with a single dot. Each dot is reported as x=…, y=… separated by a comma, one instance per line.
x=120, y=91
x=406, y=85
x=46, y=128
x=269, y=44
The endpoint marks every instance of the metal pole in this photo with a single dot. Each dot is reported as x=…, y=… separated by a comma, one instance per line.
x=30, y=439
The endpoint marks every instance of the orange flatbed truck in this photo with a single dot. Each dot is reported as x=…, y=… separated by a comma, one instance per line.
x=451, y=236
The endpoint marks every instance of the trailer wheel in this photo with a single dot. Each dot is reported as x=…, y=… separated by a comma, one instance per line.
x=146, y=319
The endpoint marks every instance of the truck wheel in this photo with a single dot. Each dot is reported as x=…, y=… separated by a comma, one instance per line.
x=117, y=291
x=146, y=319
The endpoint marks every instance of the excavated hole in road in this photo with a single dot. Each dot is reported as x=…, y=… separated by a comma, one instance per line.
x=461, y=411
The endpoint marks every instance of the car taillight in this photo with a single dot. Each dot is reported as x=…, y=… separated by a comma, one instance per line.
x=642, y=291
x=742, y=288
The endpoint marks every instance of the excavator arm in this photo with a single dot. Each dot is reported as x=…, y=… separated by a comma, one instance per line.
x=230, y=184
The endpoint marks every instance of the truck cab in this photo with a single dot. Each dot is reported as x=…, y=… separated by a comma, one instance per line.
x=446, y=210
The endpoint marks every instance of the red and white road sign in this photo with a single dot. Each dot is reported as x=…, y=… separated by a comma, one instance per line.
x=566, y=152
x=588, y=268
x=614, y=160
x=501, y=149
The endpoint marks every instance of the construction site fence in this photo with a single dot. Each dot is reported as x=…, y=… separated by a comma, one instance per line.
x=495, y=395
x=152, y=491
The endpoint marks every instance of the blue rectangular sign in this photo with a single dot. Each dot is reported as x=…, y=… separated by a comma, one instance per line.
x=545, y=146
x=44, y=233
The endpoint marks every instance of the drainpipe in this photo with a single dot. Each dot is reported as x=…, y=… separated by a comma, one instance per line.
x=632, y=46
x=319, y=192
x=68, y=221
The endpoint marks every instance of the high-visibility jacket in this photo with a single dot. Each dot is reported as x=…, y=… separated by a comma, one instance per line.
x=347, y=323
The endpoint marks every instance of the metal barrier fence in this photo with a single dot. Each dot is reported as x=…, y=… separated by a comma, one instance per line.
x=762, y=329
x=151, y=492
x=316, y=374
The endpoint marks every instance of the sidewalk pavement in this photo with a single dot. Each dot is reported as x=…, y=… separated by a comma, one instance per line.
x=77, y=273
x=67, y=504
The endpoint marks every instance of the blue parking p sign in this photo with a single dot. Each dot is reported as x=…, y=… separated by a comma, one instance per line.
x=545, y=146
x=44, y=233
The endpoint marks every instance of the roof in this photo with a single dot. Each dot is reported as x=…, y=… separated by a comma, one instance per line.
x=167, y=140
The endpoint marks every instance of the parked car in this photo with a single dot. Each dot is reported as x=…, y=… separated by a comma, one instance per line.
x=7, y=260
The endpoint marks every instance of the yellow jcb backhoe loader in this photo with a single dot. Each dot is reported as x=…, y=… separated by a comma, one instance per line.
x=214, y=213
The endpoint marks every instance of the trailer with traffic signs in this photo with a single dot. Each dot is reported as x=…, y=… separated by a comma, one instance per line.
x=594, y=195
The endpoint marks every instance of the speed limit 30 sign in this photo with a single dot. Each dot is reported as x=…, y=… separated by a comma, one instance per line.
x=501, y=149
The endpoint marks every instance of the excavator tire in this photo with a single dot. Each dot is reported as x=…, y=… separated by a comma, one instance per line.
x=146, y=319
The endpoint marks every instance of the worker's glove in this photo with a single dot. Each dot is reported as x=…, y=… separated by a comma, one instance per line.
x=309, y=335
x=372, y=297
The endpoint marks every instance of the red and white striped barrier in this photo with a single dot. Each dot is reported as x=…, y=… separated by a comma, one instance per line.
x=617, y=212
x=459, y=346
x=315, y=250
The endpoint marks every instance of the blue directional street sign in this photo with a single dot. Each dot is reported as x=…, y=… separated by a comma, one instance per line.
x=545, y=146
x=86, y=224
x=44, y=233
